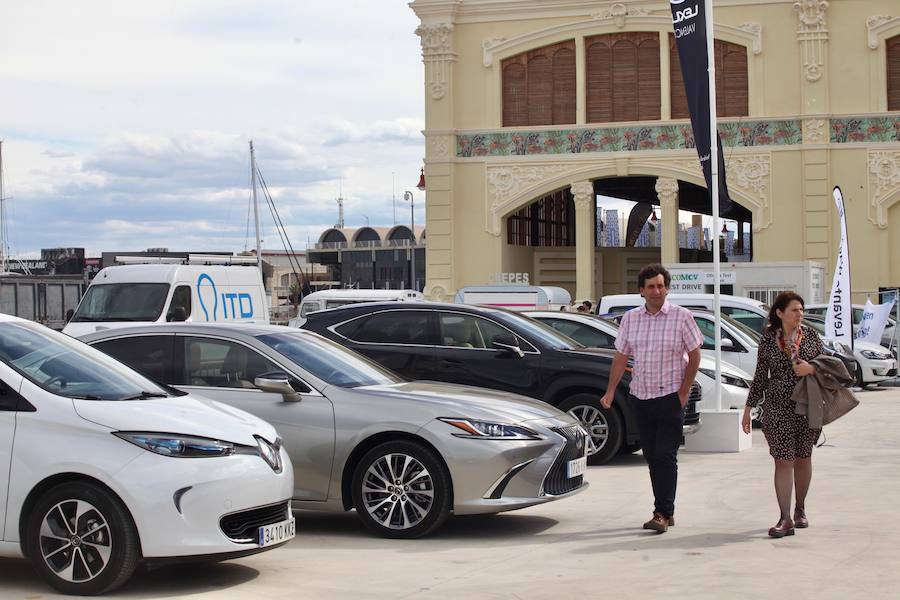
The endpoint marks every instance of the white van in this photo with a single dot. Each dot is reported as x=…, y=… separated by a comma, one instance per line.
x=515, y=297
x=746, y=311
x=142, y=294
x=325, y=299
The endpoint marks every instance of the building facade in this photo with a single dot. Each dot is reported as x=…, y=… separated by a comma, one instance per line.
x=534, y=107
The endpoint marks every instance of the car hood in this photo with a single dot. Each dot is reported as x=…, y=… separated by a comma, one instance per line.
x=470, y=402
x=709, y=363
x=190, y=415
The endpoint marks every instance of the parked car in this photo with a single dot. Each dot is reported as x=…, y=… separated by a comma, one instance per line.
x=872, y=362
x=101, y=469
x=497, y=349
x=887, y=336
x=403, y=454
x=747, y=311
x=597, y=332
x=325, y=299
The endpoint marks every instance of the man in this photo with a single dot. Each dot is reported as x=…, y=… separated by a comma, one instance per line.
x=665, y=343
x=588, y=306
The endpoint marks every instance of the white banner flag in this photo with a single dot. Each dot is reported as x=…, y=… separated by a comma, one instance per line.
x=874, y=319
x=839, y=315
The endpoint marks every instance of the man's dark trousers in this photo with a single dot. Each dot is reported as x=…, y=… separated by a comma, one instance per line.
x=660, y=422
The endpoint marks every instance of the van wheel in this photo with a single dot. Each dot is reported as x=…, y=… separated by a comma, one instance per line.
x=81, y=540
x=604, y=426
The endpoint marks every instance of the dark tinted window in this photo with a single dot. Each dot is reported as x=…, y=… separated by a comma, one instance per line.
x=750, y=319
x=585, y=334
x=220, y=363
x=181, y=299
x=468, y=331
x=149, y=355
x=122, y=302
x=708, y=329
x=390, y=327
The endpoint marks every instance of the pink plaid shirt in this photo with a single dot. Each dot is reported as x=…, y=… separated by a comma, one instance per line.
x=659, y=344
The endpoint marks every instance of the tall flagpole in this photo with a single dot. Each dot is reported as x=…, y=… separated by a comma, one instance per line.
x=255, y=209
x=714, y=170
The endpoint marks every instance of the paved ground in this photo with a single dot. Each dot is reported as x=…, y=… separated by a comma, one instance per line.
x=592, y=546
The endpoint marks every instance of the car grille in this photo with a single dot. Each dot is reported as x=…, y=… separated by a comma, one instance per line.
x=691, y=414
x=557, y=482
x=242, y=526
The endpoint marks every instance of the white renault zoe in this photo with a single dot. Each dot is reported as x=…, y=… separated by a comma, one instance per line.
x=101, y=469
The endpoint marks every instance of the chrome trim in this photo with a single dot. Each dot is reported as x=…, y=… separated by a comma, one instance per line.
x=691, y=429
x=516, y=468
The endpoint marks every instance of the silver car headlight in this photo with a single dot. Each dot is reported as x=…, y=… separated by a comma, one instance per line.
x=875, y=355
x=486, y=430
x=178, y=446
x=728, y=378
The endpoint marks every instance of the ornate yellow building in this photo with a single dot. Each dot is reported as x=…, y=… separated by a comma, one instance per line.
x=535, y=106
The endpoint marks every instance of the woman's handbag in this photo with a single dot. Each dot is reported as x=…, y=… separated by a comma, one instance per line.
x=838, y=404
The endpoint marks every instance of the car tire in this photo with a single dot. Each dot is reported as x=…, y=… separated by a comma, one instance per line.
x=57, y=531
x=604, y=426
x=402, y=511
x=858, y=377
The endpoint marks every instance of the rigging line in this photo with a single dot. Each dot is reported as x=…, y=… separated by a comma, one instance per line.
x=282, y=231
x=249, y=206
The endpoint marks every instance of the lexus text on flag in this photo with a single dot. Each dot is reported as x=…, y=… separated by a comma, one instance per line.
x=689, y=22
x=839, y=314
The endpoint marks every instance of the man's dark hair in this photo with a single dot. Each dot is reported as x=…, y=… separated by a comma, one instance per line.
x=587, y=304
x=651, y=271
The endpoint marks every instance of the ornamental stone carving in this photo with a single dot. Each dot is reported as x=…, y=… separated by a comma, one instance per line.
x=506, y=183
x=875, y=24
x=437, y=292
x=754, y=29
x=814, y=131
x=812, y=33
x=583, y=193
x=439, y=146
x=752, y=173
x=884, y=184
x=667, y=192
x=437, y=54
x=618, y=12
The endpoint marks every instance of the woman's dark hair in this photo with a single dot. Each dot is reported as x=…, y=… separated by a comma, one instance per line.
x=781, y=303
x=651, y=271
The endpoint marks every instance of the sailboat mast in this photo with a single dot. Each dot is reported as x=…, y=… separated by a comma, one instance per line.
x=255, y=208
x=3, y=257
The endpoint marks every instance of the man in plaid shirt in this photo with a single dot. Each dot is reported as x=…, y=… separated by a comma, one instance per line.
x=665, y=343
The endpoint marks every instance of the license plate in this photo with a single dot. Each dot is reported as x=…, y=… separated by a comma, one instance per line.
x=276, y=533
x=577, y=467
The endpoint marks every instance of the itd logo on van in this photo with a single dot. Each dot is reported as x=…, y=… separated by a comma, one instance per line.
x=243, y=301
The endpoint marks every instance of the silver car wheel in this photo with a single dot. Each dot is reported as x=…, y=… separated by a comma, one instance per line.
x=595, y=423
x=75, y=541
x=398, y=491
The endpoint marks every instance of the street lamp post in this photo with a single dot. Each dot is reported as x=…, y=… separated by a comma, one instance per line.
x=408, y=196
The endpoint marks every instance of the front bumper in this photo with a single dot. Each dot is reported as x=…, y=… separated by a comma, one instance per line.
x=874, y=371
x=492, y=476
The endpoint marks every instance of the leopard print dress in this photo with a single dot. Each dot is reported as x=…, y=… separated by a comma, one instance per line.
x=787, y=433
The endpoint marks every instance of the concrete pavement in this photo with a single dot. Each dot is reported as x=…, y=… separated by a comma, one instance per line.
x=592, y=546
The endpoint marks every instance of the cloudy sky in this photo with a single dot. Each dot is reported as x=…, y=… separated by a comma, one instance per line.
x=125, y=123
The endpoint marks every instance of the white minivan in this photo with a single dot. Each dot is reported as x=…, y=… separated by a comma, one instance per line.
x=515, y=297
x=141, y=294
x=325, y=299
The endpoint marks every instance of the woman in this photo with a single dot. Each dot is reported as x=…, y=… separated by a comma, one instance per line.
x=783, y=352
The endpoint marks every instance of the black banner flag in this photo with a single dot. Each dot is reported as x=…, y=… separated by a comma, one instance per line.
x=689, y=22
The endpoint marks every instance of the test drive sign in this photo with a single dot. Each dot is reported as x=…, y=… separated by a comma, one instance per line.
x=689, y=22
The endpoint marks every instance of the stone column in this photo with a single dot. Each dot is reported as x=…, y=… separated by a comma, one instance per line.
x=585, y=210
x=667, y=192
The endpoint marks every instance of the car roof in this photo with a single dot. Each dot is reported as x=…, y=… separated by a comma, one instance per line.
x=364, y=307
x=4, y=318
x=225, y=329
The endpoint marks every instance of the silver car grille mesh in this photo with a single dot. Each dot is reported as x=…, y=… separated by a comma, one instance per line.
x=557, y=481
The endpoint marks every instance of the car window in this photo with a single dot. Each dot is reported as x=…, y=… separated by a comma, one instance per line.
x=620, y=309
x=749, y=318
x=122, y=302
x=308, y=307
x=221, y=363
x=857, y=316
x=585, y=334
x=181, y=298
x=150, y=355
x=467, y=331
x=708, y=330
x=390, y=327
x=66, y=367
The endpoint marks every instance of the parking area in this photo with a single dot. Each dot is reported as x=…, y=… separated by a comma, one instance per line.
x=592, y=545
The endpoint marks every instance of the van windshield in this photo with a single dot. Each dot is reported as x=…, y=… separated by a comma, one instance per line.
x=122, y=302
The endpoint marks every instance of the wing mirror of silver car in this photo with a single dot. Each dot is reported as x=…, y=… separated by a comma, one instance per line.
x=508, y=343
x=278, y=384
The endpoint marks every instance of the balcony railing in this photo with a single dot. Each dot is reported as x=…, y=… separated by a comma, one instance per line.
x=365, y=244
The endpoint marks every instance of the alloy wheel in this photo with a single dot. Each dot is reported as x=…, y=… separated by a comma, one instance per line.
x=397, y=491
x=595, y=423
x=75, y=541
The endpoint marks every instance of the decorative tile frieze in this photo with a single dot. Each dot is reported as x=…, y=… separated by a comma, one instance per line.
x=865, y=129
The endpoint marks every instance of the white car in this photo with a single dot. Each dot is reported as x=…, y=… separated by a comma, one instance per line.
x=874, y=362
x=597, y=332
x=101, y=469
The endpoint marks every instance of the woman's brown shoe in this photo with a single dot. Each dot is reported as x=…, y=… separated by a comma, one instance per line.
x=783, y=528
x=800, y=520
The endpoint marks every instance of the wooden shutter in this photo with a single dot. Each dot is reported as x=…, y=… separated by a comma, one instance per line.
x=623, y=77
x=732, y=95
x=892, y=47
x=539, y=86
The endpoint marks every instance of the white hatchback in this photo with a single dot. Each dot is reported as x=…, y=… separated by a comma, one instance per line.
x=101, y=469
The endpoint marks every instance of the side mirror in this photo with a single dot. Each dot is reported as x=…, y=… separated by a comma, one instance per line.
x=277, y=383
x=727, y=344
x=507, y=342
x=176, y=314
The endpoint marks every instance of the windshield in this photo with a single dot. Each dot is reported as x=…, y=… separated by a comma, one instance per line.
x=330, y=362
x=66, y=367
x=542, y=332
x=122, y=302
x=743, y=328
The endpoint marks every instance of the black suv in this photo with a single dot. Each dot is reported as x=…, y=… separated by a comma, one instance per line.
x=497, y=349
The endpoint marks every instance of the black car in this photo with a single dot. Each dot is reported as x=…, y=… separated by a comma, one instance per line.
x=497, y=349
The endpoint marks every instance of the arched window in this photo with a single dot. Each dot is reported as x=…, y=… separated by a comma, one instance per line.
x=623, y=77
x=731, y=81
x=893, y=72
x=539, y=86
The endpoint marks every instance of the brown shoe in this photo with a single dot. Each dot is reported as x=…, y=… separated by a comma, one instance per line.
x=800, y=520
x=672, y=521
x=658, y=523
x=783, y=528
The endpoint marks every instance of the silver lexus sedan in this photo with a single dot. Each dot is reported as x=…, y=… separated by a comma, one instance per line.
x=404, y=454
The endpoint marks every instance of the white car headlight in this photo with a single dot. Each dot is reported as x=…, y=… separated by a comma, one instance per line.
x=490, y=431
x=729, y=378
x=178, y=446
x=875, y=355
